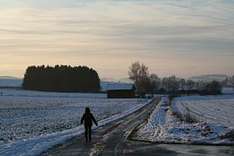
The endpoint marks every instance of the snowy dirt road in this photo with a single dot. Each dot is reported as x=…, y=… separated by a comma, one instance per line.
x=114, y=139
x=111, y=139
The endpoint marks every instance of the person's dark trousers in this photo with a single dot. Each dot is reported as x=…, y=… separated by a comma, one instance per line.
x=88, y=132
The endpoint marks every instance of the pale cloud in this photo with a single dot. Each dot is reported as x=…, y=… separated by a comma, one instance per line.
x=172, y=37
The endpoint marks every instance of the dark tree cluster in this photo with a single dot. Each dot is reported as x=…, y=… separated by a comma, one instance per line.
x=211, y=88
x=61, y=78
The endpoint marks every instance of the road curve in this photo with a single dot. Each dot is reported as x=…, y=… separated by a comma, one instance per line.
x=111, y=139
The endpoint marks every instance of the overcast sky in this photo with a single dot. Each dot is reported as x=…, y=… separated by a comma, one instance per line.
x=180, y=37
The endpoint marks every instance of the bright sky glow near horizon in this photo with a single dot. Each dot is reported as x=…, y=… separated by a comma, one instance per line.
x=180, y=37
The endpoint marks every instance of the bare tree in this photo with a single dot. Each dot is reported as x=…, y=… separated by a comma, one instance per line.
x=165, y=83
x=139, y=73
x=170, y=84
x=134, y=71
x=182, y=83
x=190, y=84
x=232, y=82
x=154, y=83
x=173, y=84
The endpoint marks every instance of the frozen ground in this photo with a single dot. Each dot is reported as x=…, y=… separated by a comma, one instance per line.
x=191, y=120
x=28, y=114
x=211, y=109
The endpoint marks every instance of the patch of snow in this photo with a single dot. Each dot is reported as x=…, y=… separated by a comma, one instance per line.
x=212, y=109
x=164, y=126
x=32, y=121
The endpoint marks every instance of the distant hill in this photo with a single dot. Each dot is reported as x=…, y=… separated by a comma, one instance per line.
x=9, y=77
x=207, y=78
x=8, y=81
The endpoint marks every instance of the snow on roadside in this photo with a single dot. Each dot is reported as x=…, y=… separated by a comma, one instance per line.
x=228, y=91
x=165, y=126
x=37, y=145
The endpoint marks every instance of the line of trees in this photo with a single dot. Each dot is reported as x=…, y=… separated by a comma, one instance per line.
x=229, y=82
x=145, y=82
x=61, y=78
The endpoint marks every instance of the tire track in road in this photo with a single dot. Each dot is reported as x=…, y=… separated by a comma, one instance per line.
x=111, y=139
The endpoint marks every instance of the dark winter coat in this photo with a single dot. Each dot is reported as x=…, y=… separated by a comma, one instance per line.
x=88, y=120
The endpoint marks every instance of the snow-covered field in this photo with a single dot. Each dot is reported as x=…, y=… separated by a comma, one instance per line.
x=28, y=114
x=191, y=120
x=211, y=109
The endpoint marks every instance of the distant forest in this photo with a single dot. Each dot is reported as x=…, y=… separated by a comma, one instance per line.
x=61, y=78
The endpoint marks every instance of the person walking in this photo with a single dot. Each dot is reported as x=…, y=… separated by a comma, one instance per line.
x=88, y=119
